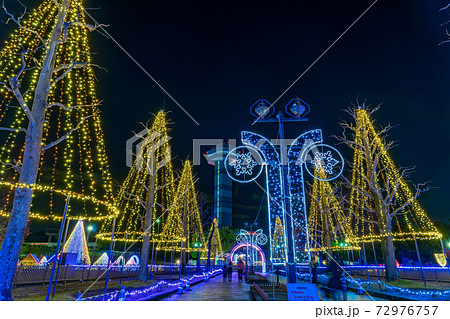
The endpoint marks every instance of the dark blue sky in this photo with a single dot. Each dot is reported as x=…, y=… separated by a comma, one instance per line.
x=217, y=57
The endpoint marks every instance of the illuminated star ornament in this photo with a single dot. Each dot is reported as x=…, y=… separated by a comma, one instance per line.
x=244, y=163
x=326, y=161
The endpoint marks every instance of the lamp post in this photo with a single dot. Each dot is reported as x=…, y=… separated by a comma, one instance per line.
x=297, y=109
x=89, y=229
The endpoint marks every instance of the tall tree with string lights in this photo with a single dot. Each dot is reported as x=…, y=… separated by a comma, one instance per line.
x=183, y=229
x=382, y=206
x=146, y=194
x=327, y=222
x=48, y=112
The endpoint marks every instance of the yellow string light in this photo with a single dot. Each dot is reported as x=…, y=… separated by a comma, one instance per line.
x=133, y=195
x=327, y=223
x=78, y=166
x=216, y=243
x=412, y=223
x=183, y=228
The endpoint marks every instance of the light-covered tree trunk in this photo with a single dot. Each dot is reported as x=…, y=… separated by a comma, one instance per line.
x=388, y=251
x=387, y=243
x=145, y=251
x=17, y=225
x=208, y=262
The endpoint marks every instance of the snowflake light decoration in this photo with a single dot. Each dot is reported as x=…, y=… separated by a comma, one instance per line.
x=326, y=161
x=244, y=163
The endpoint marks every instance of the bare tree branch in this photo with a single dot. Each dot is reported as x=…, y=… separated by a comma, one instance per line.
x=68, y=108
x=10, y=129
x=62, y=138
x=17, y=166
x=19, y=22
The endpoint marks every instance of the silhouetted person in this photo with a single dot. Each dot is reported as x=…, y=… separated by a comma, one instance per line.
x=230, y=270
x=314, y=269
x=240, y=268
x=335, y=283
x=225, y=270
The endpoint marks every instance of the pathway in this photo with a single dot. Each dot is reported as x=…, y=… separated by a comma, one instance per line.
x=215, y=290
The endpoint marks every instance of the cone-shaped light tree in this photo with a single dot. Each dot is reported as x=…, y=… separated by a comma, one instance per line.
x=77, y=244
x=278, y=243
x=382, y=206
x=214, y=244
x=183, y=230
x=146, y=194
x=327, y=224
x=50, y=130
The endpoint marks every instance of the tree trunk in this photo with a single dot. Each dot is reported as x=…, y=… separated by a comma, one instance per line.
x=185, y=234
x=145, y=251
x=208, y=261
x=15, y=233
x=327, y=235
x=387, y=243
x=387, y=247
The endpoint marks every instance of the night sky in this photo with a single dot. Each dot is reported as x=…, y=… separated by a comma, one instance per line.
x=218, y=57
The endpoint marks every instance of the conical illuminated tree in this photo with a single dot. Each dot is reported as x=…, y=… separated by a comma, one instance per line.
x=214, y=244
x=50, y=130
x=102, y=260
x=183, y=230
x=278, y=243
x=76, y=244
x=147, y=192
x=382, y=206
x=327, y=224
x=133, y=197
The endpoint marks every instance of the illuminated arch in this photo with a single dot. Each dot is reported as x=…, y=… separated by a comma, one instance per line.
x=119, y=262
x=273, y=178
x=254, y=246
x=133, y=261
x=295, y=157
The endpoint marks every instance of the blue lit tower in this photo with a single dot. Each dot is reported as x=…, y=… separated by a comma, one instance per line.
x=222, y=186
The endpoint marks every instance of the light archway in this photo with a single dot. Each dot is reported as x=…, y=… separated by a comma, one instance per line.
x=234, y=256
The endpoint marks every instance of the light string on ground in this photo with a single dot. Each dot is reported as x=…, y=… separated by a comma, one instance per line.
x=137, y=239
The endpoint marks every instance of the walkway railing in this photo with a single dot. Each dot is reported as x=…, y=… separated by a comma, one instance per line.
x=412, y=273
x=26, y=275
x=147, y=292
x=416, y=294
x=40, y=275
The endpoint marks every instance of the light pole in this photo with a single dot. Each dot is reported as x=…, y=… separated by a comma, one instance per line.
x=89, y=229
x=297, y=109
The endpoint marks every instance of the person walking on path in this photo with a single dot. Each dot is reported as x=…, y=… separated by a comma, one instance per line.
x=335, y=282
x=314, y=268
x=225, y=270
x=230, y=270
x=240, y=269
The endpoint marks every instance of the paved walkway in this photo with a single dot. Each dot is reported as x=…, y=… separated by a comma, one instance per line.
x=215, y=290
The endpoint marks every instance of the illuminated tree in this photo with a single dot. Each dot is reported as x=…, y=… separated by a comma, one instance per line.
x=102, y=260
x=183, y=230
x=214, y=243
x=76, y=244
x=278, y=242
x=382, y=206
x=52, y=140
x=146, y=194
x=327, y=223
